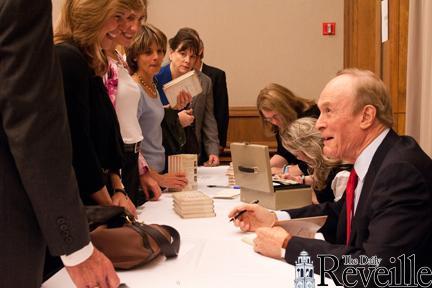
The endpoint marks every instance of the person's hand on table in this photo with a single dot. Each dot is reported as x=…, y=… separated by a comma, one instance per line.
x=276, y=170
x=120, y=199
x=96, y=271
x=175, y=181
x=255, y=217
x=296, y=178
x=148, y=183
x=212, y=161
x=270, y=240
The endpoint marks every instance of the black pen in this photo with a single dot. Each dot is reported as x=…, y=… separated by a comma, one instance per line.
x=224, y=186
x=243, y=211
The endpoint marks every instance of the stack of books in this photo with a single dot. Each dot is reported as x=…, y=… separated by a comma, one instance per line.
x=193, y=204
x=230, y=174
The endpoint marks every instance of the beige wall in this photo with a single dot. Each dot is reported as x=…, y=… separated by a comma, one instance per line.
x=259, y=41
x=56, y=7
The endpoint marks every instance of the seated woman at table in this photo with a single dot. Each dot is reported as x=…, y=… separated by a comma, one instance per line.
x=184, y=48
x=278, y=107
x=327, y=177
x=144, y=57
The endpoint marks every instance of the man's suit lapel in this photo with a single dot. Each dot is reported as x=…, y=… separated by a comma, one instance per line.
x=368, y=182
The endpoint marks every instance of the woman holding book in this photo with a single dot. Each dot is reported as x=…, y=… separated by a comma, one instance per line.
x=144, y=58
x=184, y=48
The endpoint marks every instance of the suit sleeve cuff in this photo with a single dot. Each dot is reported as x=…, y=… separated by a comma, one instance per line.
x=78, y=256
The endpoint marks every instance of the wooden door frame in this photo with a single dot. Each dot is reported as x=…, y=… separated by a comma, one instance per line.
x=363, y=48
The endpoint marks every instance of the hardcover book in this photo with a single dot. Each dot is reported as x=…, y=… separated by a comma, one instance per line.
x=188, y=82
x=185, y=163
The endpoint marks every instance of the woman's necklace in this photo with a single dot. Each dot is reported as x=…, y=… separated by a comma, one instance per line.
x=150, y=88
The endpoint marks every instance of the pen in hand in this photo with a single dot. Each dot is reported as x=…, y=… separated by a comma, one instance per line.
x=242, y=212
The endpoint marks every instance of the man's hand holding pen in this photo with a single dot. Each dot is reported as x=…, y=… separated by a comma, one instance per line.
x=270, y=238
x=249, y=217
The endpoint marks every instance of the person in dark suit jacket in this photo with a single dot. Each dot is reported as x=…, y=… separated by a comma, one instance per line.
x=392, y=199
x=39, y=199
x=81, y=37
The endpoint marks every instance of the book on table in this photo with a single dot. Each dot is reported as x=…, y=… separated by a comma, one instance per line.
x=188, y=82
x=187, y=164
x=193, y=204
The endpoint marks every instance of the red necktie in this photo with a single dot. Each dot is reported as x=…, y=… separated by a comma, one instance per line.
x=351, y=185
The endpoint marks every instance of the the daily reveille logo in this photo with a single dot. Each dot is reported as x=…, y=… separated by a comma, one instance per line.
x=361, y=271
x=304, y=271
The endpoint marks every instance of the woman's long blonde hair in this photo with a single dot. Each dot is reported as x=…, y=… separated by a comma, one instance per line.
x=302, y=136
x=277, y=98
x=81, y=21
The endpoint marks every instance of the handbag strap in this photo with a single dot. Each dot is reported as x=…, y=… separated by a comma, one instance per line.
x=168, y=248
x=142, y=233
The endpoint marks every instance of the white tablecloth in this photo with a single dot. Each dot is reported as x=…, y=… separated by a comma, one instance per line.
x=211, y=253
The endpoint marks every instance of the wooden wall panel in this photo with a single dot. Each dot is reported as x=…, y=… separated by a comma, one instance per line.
x=363, y=48
x=362, y=35
x=245, y=126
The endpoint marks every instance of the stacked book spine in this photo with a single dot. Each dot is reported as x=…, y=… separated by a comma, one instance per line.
x=193, y=204
x=230, y=174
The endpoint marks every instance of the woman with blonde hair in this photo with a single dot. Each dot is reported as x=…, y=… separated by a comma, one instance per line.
x=278, y=107
x=326, y=176
x=81, y=36
x=125, y=96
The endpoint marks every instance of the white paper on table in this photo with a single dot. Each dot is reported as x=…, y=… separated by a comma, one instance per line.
x=303, y=227
x=226, y=193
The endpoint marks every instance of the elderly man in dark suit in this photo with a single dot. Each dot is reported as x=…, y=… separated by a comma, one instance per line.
x=39, y=200
x=386, y=210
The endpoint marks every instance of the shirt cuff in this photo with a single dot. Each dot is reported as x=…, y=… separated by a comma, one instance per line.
x=78, y=256
x=282, y=215
x=283, y=251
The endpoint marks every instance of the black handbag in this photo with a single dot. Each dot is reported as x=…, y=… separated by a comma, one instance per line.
x=191, y=146
x=126, y=242
x=173, y=134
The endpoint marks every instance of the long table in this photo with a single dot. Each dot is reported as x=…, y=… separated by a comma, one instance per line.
x=211, y=251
